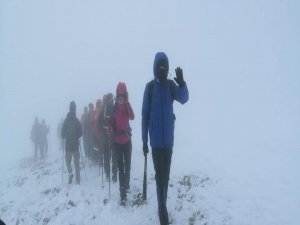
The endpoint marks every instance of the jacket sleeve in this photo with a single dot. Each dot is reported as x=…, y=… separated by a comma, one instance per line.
x=130, y=111
x=145, y=115
x=181, y=93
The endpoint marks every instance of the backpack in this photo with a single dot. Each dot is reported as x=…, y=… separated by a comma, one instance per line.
x=106, y=115
x=114, y=129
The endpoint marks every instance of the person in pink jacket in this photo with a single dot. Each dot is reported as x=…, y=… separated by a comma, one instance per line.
x=122, y=138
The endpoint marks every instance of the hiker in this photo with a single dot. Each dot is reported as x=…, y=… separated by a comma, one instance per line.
x=44, y=141
x=71, y=131
x=122, y=138
x=97, y=152
x=36, y=139
x=105, y=124
x=84, y=125
x=89, y=131
x=158, y=119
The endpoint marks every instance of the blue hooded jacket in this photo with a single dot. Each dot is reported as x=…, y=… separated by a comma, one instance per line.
x=159, y=118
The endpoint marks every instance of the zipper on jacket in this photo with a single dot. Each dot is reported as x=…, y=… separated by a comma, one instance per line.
x=162, y=114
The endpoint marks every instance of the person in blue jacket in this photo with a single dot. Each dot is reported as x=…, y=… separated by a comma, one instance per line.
x=158, y=119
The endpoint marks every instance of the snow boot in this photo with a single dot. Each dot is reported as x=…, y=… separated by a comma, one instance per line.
x=163, y=217
x=123, y=202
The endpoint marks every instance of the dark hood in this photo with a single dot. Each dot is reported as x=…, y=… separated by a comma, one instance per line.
x=160, y=56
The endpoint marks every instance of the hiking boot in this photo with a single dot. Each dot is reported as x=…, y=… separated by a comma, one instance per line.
x=123, y=202
x=70, y=178
x=163, y=218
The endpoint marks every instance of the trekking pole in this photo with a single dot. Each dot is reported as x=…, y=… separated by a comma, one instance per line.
x=82, y=160
x=145, y=180
x=102, y=178
x=109, y=170
x=62, y=166
x=99, y=165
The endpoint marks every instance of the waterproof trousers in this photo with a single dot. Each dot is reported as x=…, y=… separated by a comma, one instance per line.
x=162, y=163
x=76, y=156
x=123, y=152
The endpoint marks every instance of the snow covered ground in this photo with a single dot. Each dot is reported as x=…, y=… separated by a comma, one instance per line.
x=226, y=190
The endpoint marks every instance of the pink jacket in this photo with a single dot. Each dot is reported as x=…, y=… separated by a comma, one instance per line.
x=123, y=113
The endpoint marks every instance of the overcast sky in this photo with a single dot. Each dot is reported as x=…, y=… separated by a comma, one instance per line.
x=240, y=60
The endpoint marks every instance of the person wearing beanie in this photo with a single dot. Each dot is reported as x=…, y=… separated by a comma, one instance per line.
x=71, y=131
x=158, y=120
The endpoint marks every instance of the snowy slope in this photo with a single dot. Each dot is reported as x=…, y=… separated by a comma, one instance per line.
x=33, y=193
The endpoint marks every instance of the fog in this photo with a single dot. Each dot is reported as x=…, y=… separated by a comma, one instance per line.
x=240, y=60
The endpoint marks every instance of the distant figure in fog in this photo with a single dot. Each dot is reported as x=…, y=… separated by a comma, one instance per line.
x=60, y=140
x=105, y=123
x=97, y=152
x=36, y=139
x=44, y=133
x=84, y=124
x=89, y=131
x=72, y=131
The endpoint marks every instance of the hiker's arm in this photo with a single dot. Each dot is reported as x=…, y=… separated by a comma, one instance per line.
x=145, y=115
x=181, y=93
x=129, y=111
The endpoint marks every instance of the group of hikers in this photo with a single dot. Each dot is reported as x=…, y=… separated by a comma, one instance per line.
x=106, y=136
x=106, y=132
x=39, y=132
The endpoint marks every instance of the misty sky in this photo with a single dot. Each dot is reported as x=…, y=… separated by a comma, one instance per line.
x=240, y=60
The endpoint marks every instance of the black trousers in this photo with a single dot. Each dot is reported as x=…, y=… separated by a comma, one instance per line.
x=123, y=152
x=97, y=151
x=106, y=148
x=162, y=163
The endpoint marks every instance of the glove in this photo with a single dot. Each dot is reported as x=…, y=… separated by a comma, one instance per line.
x=179, y=76
x=145, y=148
